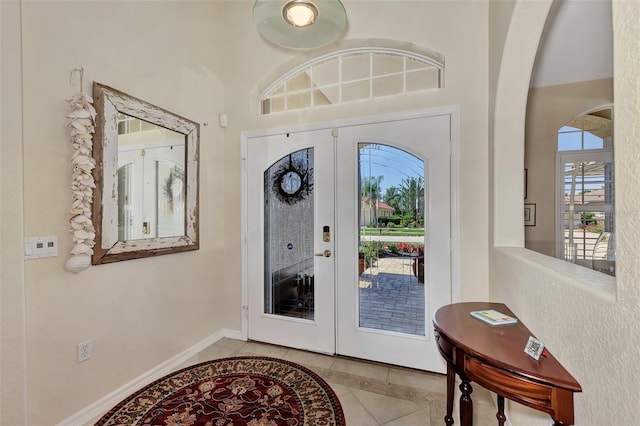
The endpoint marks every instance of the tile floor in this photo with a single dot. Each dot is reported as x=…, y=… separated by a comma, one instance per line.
x=371, y=394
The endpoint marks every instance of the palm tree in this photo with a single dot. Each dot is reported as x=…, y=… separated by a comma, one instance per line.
x=371, y=190
x=393, y=196
x=412, y=195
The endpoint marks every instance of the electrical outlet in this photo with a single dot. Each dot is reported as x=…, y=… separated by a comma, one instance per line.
x=84, y=350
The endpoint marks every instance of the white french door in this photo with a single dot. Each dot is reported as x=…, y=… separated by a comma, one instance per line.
x=290, y=202
x=384, y=314
x=314, y=201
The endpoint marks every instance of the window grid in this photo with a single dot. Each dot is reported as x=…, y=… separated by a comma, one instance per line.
x=128, y=124
x=278, y=97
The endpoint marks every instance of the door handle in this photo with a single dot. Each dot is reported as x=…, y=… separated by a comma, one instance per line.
x=326, y=253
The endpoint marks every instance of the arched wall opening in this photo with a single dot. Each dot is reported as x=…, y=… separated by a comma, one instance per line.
x=521, y=44
x=561, y=303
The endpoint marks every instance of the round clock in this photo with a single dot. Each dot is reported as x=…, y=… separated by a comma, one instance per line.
x=290, y=182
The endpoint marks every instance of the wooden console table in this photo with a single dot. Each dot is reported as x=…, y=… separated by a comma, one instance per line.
x=494, y=358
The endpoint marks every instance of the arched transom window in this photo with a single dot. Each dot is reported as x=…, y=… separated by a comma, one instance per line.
x=351, y=75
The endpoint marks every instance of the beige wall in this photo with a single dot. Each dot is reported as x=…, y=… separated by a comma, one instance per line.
x=12, y=309
x=499, y=18
x=187, y=58
x=548, y=109
x=457, y=30
x=137, y=313
x=588, y=321
x=197, y=59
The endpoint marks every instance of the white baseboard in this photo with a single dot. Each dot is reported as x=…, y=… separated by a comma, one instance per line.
x=98, y=408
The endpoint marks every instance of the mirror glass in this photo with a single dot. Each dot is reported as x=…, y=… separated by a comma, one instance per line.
x=151, y=190
x=146, y=177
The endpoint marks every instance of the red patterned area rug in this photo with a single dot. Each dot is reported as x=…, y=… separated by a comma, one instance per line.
x=253, y=391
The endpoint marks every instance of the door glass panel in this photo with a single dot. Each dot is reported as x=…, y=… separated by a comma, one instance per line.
x=289, y=239
x=392, y=238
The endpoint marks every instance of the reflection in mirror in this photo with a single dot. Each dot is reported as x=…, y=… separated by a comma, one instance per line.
x=150, y=180
x=146, y=178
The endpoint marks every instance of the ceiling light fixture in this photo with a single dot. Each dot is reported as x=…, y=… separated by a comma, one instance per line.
x=300, y=13
x=300, y=24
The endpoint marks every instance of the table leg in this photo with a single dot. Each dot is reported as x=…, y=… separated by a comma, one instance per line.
x=466, y=404
x=500, y=415
x=451, y=382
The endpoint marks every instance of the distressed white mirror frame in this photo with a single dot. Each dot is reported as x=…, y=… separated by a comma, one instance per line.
x=109, y=103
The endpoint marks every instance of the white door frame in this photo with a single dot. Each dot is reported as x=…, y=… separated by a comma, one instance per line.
x=453, y=111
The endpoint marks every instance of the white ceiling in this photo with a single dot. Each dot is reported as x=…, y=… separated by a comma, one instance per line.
x=577, y=44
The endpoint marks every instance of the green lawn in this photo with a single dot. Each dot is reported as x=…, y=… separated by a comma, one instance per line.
x=400, y=232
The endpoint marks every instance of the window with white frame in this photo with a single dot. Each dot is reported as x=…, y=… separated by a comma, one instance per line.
x=351, y=75
x=586, y=192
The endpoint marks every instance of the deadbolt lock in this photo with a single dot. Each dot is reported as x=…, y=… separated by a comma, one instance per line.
x=326, y=233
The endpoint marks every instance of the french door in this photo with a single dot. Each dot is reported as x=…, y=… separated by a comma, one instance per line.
x=384, y=314
x=348, y=239
x=290, y=205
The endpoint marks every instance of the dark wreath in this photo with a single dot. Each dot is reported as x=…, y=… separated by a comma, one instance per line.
x=301, y=168
x=176, y=173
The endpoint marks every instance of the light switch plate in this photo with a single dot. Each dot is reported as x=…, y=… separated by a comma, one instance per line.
x=39, y=247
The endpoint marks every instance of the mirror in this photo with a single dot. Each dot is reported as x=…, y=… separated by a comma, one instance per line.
x=146, y=176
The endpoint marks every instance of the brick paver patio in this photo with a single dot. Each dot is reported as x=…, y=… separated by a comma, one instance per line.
x=391, y=298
